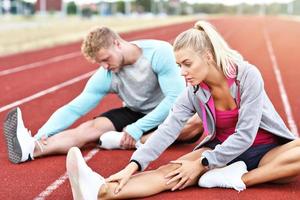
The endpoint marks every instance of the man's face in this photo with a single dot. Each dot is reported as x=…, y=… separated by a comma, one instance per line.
x=110, y=58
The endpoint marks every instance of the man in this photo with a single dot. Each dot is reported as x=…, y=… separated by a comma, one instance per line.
x=145, y=76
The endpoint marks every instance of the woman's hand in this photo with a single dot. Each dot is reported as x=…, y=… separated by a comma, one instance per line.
x=123, y=176
x=187, y=172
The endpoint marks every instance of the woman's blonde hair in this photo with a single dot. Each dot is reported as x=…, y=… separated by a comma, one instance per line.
x=96, y=39
x=204, y=37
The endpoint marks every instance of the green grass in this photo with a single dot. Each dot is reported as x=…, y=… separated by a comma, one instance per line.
x=26, y=34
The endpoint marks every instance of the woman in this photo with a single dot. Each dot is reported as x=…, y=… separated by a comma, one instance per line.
x=240, y=121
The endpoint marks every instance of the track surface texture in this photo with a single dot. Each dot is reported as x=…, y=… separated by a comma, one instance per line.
x=25, y=79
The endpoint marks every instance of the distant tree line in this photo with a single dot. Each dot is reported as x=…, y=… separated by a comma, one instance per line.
x=176, y=7
x=171, y=7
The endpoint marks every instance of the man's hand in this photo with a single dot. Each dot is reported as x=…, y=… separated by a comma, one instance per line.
x=127, y=142
x=44, y=140
x=123, y=176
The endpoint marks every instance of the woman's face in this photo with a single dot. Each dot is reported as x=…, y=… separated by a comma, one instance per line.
x=194, y=67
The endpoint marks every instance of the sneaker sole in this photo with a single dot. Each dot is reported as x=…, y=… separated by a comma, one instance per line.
x=10, y=133
x=73, y=172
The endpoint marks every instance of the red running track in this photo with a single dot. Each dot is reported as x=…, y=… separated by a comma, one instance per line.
x=46, y=68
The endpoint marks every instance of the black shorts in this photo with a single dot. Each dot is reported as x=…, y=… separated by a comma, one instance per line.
x=121, y=117
x=251, y=157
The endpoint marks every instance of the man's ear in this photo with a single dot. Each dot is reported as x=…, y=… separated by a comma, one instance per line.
x=116, y=43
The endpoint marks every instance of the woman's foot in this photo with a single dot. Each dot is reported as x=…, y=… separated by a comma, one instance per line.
x=225, y=177
x=85, y=183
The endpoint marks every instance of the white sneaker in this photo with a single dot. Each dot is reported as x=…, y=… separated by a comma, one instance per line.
x=20, y=143
x=85, y=183
x=111, y=140
x=226, y=177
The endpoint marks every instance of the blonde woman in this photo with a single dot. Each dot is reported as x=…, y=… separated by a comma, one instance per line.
x=244, y=132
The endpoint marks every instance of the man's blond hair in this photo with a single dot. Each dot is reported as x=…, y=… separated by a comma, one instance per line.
x=96, y=39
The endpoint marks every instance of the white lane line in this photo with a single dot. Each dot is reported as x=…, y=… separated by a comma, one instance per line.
x=40, y=63
x=44, y=62
x=283, y=94
x=63, y=178
x=44, y=92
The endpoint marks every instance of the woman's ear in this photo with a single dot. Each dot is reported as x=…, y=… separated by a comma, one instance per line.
x=209, y=57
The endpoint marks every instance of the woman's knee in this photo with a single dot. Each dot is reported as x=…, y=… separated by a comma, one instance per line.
x=293, y=144
x=297, y=142
x=165, y=169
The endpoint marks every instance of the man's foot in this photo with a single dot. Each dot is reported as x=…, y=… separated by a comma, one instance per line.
x=85, y=183
x=226, y=177
x=20, y=143
x=112, y=140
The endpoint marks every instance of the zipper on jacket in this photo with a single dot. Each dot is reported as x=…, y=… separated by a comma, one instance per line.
x=214, y=120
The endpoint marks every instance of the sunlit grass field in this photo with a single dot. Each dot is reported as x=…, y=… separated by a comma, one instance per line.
x=19, y=34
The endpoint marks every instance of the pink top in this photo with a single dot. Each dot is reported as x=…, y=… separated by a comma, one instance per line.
x=226, y=120
x=226, y=123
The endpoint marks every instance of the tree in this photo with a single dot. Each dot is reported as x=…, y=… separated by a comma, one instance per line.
x=71, y=8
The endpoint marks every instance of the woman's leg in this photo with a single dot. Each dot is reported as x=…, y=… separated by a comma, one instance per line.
x=140, y=185
x=279, y=164
x=147, y=183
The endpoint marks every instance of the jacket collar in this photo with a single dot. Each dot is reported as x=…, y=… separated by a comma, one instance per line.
x=203, y=91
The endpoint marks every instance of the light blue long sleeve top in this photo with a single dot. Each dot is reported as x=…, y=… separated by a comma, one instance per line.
x=150, y=86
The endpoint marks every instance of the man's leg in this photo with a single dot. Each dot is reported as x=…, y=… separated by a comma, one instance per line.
x=192, y=130
x=190, y=133
x=22, y=146
x=87, y=132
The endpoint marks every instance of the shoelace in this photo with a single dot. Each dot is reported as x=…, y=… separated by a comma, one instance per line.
x=40, y=145
x=36, y=141
x=28, y=131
